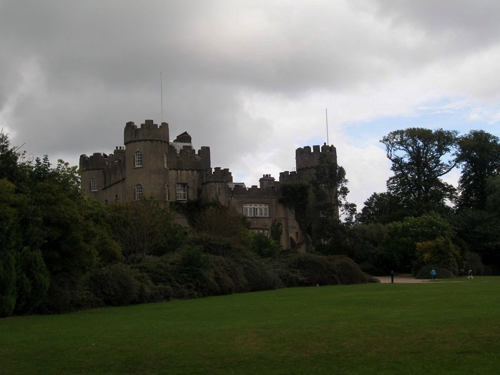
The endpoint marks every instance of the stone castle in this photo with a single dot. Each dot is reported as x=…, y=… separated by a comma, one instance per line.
x=151, y=165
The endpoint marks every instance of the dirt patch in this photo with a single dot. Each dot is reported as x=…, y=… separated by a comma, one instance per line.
x=401, y=279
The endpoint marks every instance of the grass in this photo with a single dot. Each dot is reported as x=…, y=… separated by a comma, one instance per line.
x=443, y=327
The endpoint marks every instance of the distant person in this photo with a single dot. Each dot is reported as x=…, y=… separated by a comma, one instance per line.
x=433, y=274
x=469, y=275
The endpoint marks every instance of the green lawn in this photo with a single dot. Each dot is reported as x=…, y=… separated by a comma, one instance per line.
x=443, y=327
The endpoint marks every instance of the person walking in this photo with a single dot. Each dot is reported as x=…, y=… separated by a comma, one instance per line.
x=469, y=275
x=433, y=274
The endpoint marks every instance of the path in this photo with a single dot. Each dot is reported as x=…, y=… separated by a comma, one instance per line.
x=401, y=279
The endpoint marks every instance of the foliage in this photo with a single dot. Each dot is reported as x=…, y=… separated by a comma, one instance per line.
x=441, y=273
x=8, y=291
x=479, y=232
x=264, y=246
x=440, y=252
x=493, y=194
x=402, y=237
x=417, y=162
x=330, y=189
x=479, y=156
x=320, y=270
x=295, y=196
x=382, y=208
x=472, y=261
x=219, y=220
x=144, y=228
x=118, y=285
x=32, y=280
x=276, y=230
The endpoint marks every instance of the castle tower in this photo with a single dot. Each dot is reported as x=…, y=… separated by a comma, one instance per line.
x=307, y=160
x=147, y=160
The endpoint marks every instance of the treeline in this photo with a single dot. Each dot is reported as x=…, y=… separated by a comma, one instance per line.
x=422, y=222
x=62, y=252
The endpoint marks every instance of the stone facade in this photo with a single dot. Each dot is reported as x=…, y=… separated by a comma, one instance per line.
x=151, y=165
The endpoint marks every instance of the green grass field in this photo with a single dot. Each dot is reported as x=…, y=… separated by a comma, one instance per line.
x=443, y=327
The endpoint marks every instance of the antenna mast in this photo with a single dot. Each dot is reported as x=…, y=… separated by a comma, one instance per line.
x=326, y=113
x=161, y=97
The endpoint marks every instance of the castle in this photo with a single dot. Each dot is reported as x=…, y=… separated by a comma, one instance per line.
x=151, y=165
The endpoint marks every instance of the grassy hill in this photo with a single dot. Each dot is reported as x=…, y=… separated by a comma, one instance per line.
x=450, y=327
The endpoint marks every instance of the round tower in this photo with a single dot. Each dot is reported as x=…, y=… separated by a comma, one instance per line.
x=146, y=159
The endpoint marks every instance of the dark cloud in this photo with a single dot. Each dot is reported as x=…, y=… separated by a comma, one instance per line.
x=73, y=73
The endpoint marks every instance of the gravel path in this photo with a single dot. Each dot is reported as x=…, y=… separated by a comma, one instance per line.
x=401, y=279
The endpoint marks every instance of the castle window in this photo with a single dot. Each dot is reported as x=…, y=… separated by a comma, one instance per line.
x=181, y=192
x=138, y=192
x=93, y=184
x=167, y=195
x=256, y=210
x=165, y=160
x=138, y=159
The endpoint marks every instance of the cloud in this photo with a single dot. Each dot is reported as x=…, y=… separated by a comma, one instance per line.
x=251, y=80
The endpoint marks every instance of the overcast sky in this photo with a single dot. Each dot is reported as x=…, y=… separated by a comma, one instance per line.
x=249, y=79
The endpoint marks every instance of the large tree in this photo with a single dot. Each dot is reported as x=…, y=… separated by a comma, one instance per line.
x=419, y=161
x=479, y=155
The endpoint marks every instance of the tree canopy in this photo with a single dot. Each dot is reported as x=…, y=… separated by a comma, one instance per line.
x=419, y=160
x=478, y=154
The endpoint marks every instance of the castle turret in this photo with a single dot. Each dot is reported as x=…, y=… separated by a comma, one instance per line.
x=304, y=158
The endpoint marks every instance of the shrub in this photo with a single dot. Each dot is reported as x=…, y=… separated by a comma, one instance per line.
x=264, y=246
x=473, y=262
x=7, y=283
x=371, y=269
x=116, y=285
x=441, y=273
x=259, y=275
x=347, y=270
x=217, y=245
x=314, y=269
x=32, y=280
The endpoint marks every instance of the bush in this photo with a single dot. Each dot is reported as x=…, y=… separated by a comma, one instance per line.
x=7, y=283
x=371, y=269
x=216, y=245
x=441, y=273
x=259, y=275
x=473, y=262
x=314, y=269
x=263, y=245
x=347, y=270
x=119, y=285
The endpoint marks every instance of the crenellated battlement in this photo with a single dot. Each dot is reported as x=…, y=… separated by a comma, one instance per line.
x=218, y=175
x=102, y=161
x=148, y=131
x=188, y=158
x=287, y=176
x=307, y=158
x=253, y=192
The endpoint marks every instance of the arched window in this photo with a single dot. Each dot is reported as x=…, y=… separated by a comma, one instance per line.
x=138, y=159
x=165, y=160
x=138, y=192
x=94, y=184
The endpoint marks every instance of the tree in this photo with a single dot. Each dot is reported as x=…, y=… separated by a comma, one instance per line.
x=479, y=232
x=144, y=228
x=479, y=155
x=381, y=208
x=417, y=157
x=402, y=237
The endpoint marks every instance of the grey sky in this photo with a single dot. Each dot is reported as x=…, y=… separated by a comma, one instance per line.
x=249, y=79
